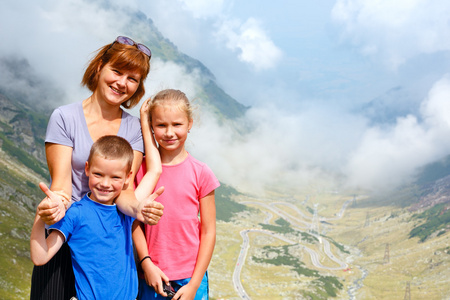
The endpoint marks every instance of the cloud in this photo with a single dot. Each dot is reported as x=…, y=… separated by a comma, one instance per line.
x=323, y=144
x=251, y=41
x=287, y=140
x=169, y=75
x=203, y=9
x=395, y=31
x=389, y=157
x=278, y=149
x=204, y=26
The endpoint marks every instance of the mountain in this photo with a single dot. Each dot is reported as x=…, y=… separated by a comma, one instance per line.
x=22, y=166
x=211, y=94
x=24, y=111
x=394, y=103
x=24, y=114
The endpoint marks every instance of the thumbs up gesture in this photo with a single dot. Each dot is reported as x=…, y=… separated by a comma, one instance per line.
x=52, y=208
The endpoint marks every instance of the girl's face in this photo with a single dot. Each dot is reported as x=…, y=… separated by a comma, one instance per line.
x=170, y=126
x=117, y=86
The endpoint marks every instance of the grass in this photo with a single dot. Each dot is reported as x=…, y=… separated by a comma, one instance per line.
x=226, y=208
x=435, y=219
x=323, y=287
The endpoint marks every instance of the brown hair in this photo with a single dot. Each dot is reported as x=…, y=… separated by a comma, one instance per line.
x=122, y=57
x=112, y=147
x=171, y=96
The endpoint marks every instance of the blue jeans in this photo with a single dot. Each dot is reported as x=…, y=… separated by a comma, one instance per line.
x=146, y=292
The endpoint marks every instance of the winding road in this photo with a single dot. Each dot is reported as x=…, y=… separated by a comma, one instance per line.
x=295, y=222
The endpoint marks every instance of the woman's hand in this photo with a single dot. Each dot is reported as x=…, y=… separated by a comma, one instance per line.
x=52, y=208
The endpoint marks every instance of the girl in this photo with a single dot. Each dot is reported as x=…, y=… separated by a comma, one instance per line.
x=179, y=248
x=116, y=78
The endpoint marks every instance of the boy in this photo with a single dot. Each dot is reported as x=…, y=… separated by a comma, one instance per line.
x=98, y=234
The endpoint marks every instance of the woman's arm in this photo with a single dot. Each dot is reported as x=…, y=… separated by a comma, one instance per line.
x=207, y=243
x=59, y=162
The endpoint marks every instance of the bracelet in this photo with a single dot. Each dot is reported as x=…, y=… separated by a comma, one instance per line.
x=140, y=263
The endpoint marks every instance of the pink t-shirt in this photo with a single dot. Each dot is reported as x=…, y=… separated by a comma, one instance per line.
x=173, y=243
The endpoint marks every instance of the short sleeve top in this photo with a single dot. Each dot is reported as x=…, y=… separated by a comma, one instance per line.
x=67, y=126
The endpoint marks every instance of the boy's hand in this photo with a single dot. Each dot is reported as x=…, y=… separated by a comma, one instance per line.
x=52, y=208
x=152, y=210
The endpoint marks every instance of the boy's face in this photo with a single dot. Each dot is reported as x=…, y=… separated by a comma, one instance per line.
x=107, y=178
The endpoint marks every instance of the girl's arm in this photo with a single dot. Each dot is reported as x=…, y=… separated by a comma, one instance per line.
x=207, y=243
x=59, y=161
x=152, y=157
x=153, y=275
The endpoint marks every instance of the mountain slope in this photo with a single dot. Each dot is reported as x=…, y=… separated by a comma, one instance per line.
x=24, y=113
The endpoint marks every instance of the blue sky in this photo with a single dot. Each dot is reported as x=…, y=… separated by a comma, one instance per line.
x=305, y=68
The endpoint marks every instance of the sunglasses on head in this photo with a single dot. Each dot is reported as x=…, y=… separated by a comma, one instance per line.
x=127, y=41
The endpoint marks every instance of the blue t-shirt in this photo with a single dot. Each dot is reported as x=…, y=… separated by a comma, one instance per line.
x=67, y=126
x=101, y=248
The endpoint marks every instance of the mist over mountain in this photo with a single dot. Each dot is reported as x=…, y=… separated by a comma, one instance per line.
x=386, y=108
x=390, y=148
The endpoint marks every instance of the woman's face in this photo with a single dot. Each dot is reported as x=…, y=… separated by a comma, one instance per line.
x=116, y=86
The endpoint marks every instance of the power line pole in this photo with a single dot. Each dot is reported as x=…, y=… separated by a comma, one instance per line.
x=386, y=254
x=367, y=220
x=408, y=291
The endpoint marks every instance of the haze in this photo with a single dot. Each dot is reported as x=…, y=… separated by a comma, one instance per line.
x=352, y=89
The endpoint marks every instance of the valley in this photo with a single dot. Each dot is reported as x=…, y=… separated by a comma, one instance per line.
x=322, y=245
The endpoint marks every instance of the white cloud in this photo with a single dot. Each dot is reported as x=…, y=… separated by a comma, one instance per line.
x=251, y=41
x=168, y=75
x=388, y=157
x=203, y=8
x=395, y=31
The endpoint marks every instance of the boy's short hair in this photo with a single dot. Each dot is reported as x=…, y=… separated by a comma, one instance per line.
x=113, y=147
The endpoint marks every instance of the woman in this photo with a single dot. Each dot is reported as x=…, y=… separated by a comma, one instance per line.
x=116, y=78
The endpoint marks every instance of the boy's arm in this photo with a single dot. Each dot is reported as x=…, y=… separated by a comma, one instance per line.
x=43, y=249
x=134, y=207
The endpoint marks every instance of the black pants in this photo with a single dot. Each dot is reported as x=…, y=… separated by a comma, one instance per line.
x=54, y=280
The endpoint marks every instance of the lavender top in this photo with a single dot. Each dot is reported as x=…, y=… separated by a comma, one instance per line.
x=67, y=126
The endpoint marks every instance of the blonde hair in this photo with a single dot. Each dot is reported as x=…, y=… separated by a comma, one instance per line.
x=113, y=147
x=174, y=97
x=122, y=57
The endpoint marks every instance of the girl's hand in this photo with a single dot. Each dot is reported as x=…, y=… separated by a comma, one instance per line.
x=52, y=208
x=144, y=111
x=154, y=276
x=186, y=292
